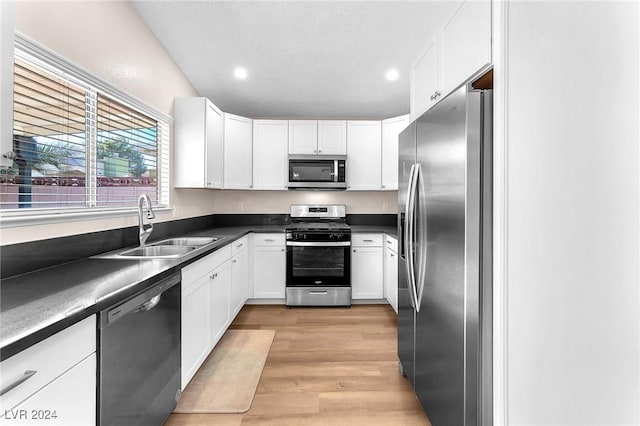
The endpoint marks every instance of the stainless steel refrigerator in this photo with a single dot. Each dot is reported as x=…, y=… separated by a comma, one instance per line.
x=444, y=271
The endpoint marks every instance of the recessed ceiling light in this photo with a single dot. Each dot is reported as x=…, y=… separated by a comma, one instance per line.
x=240, y=73
x=392, y=75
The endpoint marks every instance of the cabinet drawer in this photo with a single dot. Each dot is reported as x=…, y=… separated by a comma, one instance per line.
x=205, y=265
x=48, y=359
x=69, y=400
x=268, y=239
x=374, y=240
x=391, y=243
x=239, y=245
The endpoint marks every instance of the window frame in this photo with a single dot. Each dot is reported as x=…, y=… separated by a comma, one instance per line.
x=34, y=53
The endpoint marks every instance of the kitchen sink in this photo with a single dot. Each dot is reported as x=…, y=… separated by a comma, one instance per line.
x=170, y=248
x=186, y=241
x=158, y=251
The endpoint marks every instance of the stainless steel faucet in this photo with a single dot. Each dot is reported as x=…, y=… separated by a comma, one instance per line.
x=145, y=231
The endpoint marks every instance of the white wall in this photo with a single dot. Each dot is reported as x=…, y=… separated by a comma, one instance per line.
x=108, y=39
x=572, y=213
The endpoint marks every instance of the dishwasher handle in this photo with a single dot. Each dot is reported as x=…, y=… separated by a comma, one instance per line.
x=141, y=303
x=149, y=305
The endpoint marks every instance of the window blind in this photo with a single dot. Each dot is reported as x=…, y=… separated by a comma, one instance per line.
x=79, y=145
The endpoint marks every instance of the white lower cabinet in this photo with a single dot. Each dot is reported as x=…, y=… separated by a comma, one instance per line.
x=220, y=300
x=55, y=380
x=391, y=271
x=269, y=266
x=366, y=266
x=68, y=400
x=202, y=315
x=239, y=276
x=196, y=326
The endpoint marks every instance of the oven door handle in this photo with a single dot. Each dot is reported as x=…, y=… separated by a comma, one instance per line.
x=318, y=244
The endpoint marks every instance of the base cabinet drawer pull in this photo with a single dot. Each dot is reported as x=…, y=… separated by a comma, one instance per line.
x=368, y=241
x=270, y=240
x=318, y=292
x=26, y=376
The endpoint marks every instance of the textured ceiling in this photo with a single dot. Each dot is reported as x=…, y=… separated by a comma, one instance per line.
x=316, y=59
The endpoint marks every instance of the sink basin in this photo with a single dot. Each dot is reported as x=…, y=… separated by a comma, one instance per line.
x=168, y=251
x=187, y=241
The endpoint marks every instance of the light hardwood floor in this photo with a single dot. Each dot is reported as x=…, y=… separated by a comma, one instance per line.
x=327, y=366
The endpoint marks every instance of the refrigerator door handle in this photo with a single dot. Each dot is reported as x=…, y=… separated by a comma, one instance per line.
x=409, y=233
x=421, y=236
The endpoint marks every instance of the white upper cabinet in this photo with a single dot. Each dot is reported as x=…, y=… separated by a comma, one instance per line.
x=391, y=128
x=466, y=43
x=318, y=137
x=303, y=136
x=238, y=137
x=198, y=154
x=332, y=137
x=457, y=51
x=425, y=80
x=270, y=139
x=364, y=163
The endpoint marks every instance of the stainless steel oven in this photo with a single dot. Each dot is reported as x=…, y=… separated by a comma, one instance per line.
x=318, y=257
x=317, y=172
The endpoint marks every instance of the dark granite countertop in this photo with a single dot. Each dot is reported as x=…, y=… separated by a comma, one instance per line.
x=364, y=229
x=38, y=304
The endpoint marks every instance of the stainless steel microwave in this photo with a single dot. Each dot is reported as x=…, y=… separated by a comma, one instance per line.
x=317, y=172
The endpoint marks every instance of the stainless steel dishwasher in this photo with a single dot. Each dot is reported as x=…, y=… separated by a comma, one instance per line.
x=139, y=358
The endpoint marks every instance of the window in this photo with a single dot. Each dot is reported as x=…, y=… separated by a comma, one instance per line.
x=80, y=144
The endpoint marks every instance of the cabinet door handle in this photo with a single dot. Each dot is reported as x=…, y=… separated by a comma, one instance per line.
x=214, y=276
x=392, y=255
x=26, y=376
x=239, y=245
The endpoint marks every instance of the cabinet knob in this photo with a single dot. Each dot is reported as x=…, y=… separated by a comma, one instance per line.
x=319, y=151
x=235, y=261
x=315, y=151
x=281, y=249
x=354, y=250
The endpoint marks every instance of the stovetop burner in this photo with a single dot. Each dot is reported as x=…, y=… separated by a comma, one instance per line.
x=318, y=217
x=318, y=226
